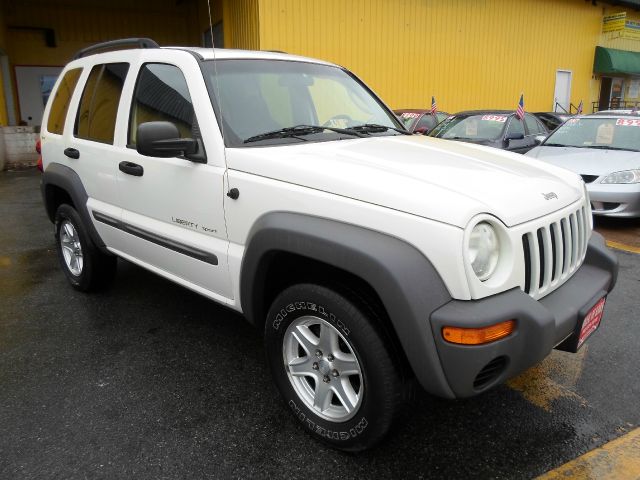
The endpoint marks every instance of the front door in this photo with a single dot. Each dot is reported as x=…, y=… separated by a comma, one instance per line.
x=605, y=93
x=173, y=207
x=562, y=94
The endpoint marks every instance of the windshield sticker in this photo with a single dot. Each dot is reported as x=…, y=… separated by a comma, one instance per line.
x=604, y=134
x=628, y=122
x=409, y=115
x=471, y=129
x=495, y=118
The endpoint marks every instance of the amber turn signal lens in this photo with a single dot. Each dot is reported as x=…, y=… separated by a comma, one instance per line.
x=478, y=336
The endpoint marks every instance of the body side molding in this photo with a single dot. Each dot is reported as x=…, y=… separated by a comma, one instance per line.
x=187, y=250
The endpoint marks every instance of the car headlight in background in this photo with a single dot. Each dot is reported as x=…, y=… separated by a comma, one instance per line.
x=625, y=176
x=483, y=250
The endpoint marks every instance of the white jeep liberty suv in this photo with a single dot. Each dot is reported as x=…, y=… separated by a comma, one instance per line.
x=285, y=189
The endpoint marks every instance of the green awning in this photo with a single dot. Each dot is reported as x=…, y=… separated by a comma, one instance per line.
x=611, y=61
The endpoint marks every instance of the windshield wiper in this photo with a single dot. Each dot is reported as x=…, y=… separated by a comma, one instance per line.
x=299, y=130
x=377, y=128
x=605, y=147
x=556, y=145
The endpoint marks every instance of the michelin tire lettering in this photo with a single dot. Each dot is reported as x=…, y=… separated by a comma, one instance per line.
x=292, y=307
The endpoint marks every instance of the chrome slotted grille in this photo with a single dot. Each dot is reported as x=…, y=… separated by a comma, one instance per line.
x=554, y=251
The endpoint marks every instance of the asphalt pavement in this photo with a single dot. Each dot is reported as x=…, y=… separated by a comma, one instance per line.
x=149, y=380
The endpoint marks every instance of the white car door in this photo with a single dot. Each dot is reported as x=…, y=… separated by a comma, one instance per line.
x=87, y=143
x=173, y=207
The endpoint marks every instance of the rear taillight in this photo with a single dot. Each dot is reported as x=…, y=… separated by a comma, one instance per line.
x=38, y=149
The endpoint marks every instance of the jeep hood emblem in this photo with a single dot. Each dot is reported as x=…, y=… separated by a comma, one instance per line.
x=550, y=195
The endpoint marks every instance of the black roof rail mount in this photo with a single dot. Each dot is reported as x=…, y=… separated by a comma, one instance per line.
x=117, y=44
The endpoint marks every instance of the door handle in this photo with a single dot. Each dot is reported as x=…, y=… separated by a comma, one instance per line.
x=131, y=168
x=72, y=153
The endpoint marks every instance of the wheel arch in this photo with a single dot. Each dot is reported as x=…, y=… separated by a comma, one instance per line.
x=61, y=184
x=405, y=282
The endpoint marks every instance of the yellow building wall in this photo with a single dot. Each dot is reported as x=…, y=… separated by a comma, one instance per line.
x=618, y=41
x=204, y=8
x=241, y=24
x=3, y=47
x=468, y=53
x=78, y=24
x=615, y=39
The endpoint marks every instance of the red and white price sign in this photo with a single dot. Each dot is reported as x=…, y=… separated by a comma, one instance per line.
x=409, y=115
x=494, y=118
x=591, y=321
x=628, y=122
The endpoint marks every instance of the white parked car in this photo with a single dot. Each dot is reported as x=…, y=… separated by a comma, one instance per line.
x=604, y=149
x=283, y=188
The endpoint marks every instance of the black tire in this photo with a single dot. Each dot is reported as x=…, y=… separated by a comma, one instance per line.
x=98, y=269
x=381, y=398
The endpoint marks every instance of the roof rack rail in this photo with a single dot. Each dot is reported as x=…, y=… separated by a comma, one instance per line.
x=115, y=45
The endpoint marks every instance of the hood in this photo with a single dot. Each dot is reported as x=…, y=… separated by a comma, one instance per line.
x=436, y=179
x=587, y=161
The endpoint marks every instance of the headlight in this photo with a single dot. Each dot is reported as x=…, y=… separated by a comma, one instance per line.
x=484, y=250
x=626, y=176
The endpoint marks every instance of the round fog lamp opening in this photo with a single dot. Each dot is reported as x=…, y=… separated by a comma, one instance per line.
x=484, y=250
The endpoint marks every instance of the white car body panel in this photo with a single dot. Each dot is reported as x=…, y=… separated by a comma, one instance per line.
x=260, y=195
x=417, y=175
x=422, y=190
x=587, y=161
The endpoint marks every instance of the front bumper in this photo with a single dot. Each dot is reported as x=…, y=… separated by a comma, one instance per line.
x=541, y=324
x=615, y=200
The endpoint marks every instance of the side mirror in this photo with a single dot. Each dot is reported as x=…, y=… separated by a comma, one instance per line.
x=162, y=139
x=514, y=136
x=539, y=139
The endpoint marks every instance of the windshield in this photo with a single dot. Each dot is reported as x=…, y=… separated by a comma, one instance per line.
x=408, y=118
x=265, y=96
x=597, y=132
x=471, y=127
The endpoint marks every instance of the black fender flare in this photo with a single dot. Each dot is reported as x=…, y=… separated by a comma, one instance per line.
x=68, y=180
x=405, y=280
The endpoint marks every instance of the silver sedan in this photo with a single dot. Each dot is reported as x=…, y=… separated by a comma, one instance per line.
x=605, y=151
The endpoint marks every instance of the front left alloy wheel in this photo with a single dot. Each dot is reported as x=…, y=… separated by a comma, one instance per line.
x=333, y=365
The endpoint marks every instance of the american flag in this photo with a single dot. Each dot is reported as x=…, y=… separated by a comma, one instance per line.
x=434, y=106
x=579, y=112
x=520, y=110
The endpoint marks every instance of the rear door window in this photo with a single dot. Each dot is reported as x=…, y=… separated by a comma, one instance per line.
x=161, y=94
x=96, y=119
x=532, y=126
x=60, y=103
x=516, y=127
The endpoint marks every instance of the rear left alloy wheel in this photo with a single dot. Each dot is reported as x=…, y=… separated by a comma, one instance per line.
x=86, y=267
x=333, y=366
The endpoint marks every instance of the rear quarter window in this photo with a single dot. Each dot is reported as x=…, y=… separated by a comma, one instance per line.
x=96, y=118
x=61, y=99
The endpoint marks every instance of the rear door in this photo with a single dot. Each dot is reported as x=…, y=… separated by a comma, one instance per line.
x=173, y=208
x=80, y=135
